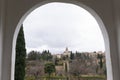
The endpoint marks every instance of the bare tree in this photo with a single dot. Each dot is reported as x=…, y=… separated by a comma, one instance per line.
x=78, y=67
x=35, y=68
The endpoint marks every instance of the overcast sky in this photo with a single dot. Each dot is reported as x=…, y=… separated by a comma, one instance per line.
x=55, y=26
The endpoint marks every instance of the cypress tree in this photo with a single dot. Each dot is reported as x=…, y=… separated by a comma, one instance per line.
x=20, y=56
x=100, y=57
x=71, y=56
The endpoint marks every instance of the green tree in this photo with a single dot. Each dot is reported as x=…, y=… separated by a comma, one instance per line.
x=49, y=68
x=71, y=56
x=20, y=56
x=34, y=55
x=46, y=55
x=100, y=57
x=56, y=61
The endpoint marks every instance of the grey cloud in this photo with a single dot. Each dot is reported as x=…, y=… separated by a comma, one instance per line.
x=58, y=26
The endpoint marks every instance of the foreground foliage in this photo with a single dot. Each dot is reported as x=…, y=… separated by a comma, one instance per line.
x=84, y=77
x=49, y=68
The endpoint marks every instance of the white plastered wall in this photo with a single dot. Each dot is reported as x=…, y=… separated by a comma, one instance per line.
x=13, y=12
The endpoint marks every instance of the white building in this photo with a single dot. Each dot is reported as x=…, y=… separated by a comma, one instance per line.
x=66, y=52
x=58, y=56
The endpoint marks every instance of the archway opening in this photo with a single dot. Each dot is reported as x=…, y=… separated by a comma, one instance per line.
x=74, y=31
x=58, y=25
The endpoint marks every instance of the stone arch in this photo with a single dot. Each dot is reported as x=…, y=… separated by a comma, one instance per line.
x=90, y=10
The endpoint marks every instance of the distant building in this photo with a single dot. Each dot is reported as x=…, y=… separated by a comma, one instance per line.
x=58, y=56
x=67, y=52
